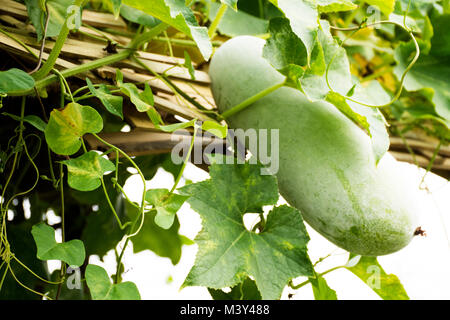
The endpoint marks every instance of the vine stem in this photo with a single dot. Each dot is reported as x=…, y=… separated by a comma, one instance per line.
x=119, y=261
x=295, y=287
x=51, y=60
x=141, y=212
x=121, y=226
x=220, y=13
x=180, y=174
x=42, y=83
x=405, y=72
x=241, y=106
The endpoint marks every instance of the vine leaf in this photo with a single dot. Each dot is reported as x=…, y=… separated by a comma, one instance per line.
x=143, y=101
x=188, y=65
x=166, y=205
x=112, y=103
x=246, y=290
x=14, y=80
x=101, y=287
x=35, y=121
x=86, y=171
x=321, y=289
x=179, y=16
x=430, y=71
x=71, y=252
x=65, y=127
x=303, y=17
x=285, y=51
x=228, y=252
x=387, y=286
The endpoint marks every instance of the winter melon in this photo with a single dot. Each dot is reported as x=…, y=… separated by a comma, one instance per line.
x=326, y=163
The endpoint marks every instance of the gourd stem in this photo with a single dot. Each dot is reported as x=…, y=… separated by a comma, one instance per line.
x=51, y=60
x=241, y=106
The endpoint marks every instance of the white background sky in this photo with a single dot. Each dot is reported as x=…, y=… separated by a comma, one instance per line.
x=423, y=266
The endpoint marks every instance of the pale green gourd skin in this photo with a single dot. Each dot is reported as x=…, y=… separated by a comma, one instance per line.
x=326, y=167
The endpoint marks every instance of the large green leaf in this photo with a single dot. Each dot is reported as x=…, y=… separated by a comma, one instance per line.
x=179, y=16
x=101, y=287
x=238, y=23
x=58, y=10
x=15, y=79
x=86, y=171
x=387, y=286
x=71, y=252
x=228, y=252
x=65, y=127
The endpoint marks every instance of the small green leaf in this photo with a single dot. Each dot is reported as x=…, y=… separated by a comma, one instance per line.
x=111, y=102
x=86, y=171
x=228, y=252
x=188, y=65
x=321, y=289
x=67, y=126
x=101, y=288
x=284, y=47
x=137, y=16
x=387, y=286
x=177, y=126
x=142, y=100
x=71, y=252
x=215, y=128
x=165, y=204
x=341, y=103
x=15, y=80
x=35, y=121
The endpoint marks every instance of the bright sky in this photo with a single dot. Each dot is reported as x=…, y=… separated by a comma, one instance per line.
x=422, y=267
